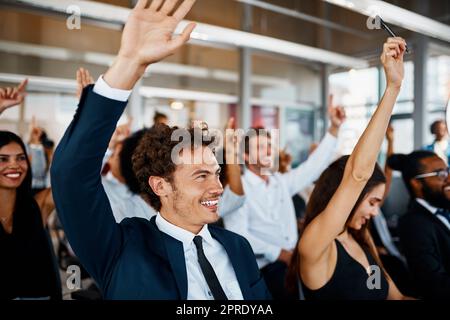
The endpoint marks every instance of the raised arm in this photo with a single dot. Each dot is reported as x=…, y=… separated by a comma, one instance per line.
x=79, y=197
x=10, y=97
x=321, y=232
x=309, y=171
x=390, y=151
x=233, y=172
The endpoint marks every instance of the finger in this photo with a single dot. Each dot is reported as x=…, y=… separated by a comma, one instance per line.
x=141, y=4
x=2, y=92
x=168, y=6
x=78, y=77
x=155, y=5
x=330, y=99
x=33, y=121
x=183, y=38
x=23, y=85
x=8, y=92
x=183, y=9
x=392, y=46
x=14, y=93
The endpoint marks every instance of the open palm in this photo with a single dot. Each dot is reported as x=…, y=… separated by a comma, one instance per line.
x=147, y=35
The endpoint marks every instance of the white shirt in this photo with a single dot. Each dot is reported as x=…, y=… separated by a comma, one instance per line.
x=215, y=253
x=124, y=203
x=440, y=148
x=433, y=210
x=229, y=202
x=267, y=218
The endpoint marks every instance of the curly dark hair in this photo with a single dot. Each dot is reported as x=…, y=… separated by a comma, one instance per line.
x=152, y=156
x=129, y=145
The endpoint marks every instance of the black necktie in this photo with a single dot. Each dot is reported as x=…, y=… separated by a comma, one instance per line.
x=208, y=271
x=444, y=213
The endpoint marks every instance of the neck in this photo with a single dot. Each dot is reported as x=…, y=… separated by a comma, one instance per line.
x=177, y=221
x=344, y=236
x=8, y=201
x=257, y=171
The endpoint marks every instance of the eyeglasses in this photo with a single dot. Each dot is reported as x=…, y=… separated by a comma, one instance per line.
x=441, y=174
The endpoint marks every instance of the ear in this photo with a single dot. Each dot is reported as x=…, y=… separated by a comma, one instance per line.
x=159, y=186
x=416, y=185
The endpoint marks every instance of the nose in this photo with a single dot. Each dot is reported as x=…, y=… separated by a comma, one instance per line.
x=216, y=187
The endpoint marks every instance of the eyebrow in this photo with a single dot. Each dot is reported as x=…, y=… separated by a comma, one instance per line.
x=9, y=155
x=377, y=199
x=204, y=171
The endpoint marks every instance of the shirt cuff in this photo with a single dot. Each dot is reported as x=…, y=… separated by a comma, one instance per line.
x=103, y=89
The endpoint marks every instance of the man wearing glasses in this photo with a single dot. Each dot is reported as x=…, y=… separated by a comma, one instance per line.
x=425, y=229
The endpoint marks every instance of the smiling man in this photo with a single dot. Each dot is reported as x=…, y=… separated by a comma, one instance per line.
x=425, y=229
x=175, y=255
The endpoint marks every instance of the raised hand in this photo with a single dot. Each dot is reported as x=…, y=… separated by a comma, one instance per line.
x=10, y=97
x=231, y=143
x=83, y=80
x=336, y=114
x=392, y=59
x=147, y=38
x=35, y=132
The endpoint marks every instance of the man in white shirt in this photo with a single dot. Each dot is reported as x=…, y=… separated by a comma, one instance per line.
x=267, y=218
x=440, y=146
x=175, y=255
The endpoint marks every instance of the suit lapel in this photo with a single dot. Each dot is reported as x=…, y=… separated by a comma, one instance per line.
x=172, y=250
x=236, y=262
x=417, y=207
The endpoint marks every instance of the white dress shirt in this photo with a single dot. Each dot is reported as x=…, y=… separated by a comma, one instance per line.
x=267, y=218
x=433, y=210
x=124, y=203
x=229, y=202
x=215, y=253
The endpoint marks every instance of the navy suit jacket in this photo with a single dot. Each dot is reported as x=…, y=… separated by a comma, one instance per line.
x=133, y=259
x=426, y=245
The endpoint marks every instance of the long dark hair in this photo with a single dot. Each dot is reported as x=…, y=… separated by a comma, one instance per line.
x=7, y=137
x=323, y=191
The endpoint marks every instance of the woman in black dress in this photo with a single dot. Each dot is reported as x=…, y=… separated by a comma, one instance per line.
x=335, y=256
x=27, y=267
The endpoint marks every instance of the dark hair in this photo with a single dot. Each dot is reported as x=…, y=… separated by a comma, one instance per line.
x=152, y=156
x=434, y=125
x=325, y=188
x=253, y=132
x=158, y=116
x=129, y=145
x=46, y=142
x=409, y=165
x=6, y=137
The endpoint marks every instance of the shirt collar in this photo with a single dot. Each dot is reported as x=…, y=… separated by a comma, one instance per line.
x=427, y=206
x=254, y=179
x=186, y=237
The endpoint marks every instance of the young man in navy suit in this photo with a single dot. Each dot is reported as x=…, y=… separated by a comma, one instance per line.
x=175, y=255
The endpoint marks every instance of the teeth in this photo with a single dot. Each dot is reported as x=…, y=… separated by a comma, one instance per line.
x=447, y=188
x=210, y=203
x=13, y=175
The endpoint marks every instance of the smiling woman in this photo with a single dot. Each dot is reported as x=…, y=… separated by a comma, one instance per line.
x=24, y=241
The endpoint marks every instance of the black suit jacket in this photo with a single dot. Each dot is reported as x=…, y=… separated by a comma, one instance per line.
x=426, y=245
x=133, y=259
